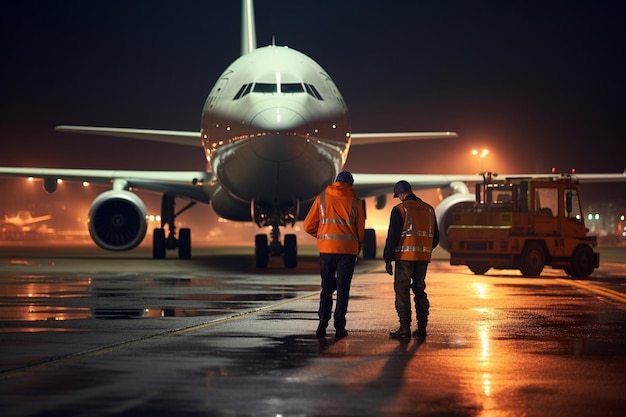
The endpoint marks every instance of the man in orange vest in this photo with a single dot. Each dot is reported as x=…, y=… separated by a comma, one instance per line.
x=337, y=220
x=412, y=236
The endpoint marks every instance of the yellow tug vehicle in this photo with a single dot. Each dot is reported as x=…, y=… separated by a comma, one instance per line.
x=525, y=224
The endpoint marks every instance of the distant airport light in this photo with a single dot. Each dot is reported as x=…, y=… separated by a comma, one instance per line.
x=483, y=154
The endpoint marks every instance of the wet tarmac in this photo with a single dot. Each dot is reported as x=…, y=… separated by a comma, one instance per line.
x=90, y=333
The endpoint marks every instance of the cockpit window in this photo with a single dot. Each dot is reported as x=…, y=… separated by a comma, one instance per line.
x=245, y=89
x=240, y=92
x=291, y=88
x=272, y=88
x=264, y=88
x=310, y=89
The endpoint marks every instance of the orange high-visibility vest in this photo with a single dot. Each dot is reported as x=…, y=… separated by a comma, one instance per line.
x=337, y=234
x=416, y=240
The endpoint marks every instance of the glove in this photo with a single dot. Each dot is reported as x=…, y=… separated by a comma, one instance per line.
x=389, y=268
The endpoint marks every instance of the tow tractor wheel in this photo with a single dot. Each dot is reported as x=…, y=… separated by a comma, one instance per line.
x=479, y=268
x=533, y=260
x=583, y=262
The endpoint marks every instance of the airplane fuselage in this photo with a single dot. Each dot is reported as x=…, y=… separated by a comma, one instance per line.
x=275, y=130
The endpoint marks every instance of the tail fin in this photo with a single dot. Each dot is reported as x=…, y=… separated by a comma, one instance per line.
x=248, y=30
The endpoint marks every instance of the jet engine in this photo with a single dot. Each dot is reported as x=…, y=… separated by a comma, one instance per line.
x=117, y=220
x=444, y=214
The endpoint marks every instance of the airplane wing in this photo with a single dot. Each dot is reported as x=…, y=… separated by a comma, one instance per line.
x=177, y=137
x=189, y=138
x=37, y=219
x=186, y=184
x=387, y=137
x=369, y=185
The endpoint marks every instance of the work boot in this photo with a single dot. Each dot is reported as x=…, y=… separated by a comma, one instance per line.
x=341, y=333
x=403, y=332
x=321, y=329
x=420, y=333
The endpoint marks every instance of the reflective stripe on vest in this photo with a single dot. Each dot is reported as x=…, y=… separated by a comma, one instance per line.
x=415, y=245
x=351, y=222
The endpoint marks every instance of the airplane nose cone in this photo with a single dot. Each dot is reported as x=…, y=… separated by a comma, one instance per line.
x=279, y=134
x=278, y=119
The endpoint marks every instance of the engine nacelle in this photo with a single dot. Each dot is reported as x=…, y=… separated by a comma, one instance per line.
x=381, y=201
x=117, y=220
x=50, y=185
x=444, y=214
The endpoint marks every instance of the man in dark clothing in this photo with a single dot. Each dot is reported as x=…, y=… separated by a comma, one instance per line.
x=412, y=236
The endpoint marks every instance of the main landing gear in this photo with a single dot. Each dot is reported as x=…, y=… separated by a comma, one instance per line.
x=289, y=250
x=160, y=242
x=275, y=215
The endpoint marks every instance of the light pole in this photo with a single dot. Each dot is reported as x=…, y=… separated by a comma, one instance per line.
x=482, y=155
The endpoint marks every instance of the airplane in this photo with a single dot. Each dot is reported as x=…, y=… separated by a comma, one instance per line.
x=22, y=221
x=275, y=132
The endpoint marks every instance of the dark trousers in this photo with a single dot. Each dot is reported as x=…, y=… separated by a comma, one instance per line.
x=336, y=270
x=411, y=275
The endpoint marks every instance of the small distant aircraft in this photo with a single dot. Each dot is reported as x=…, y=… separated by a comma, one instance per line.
x=22, y=222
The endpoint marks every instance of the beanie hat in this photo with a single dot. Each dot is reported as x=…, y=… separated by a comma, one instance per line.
x=401, y=187
x=345, y=176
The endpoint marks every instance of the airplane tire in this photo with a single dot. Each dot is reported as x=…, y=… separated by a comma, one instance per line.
x=261, y=250
x=290, y=251
x=158, y=243
x=369, y=244
x=184, y=243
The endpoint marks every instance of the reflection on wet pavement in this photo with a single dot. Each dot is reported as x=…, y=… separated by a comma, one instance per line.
x=226, y=344
x=36, y=298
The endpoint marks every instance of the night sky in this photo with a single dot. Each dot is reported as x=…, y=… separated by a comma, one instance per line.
x=539, y=83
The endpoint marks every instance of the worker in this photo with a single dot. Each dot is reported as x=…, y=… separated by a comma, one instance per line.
x=411, y=238
x=337, y=220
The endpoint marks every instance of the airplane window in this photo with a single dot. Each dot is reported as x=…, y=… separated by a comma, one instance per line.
x=247, y=91
x=240, y=92
x=310, y=88
x=264, y=88
x=291, y=88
